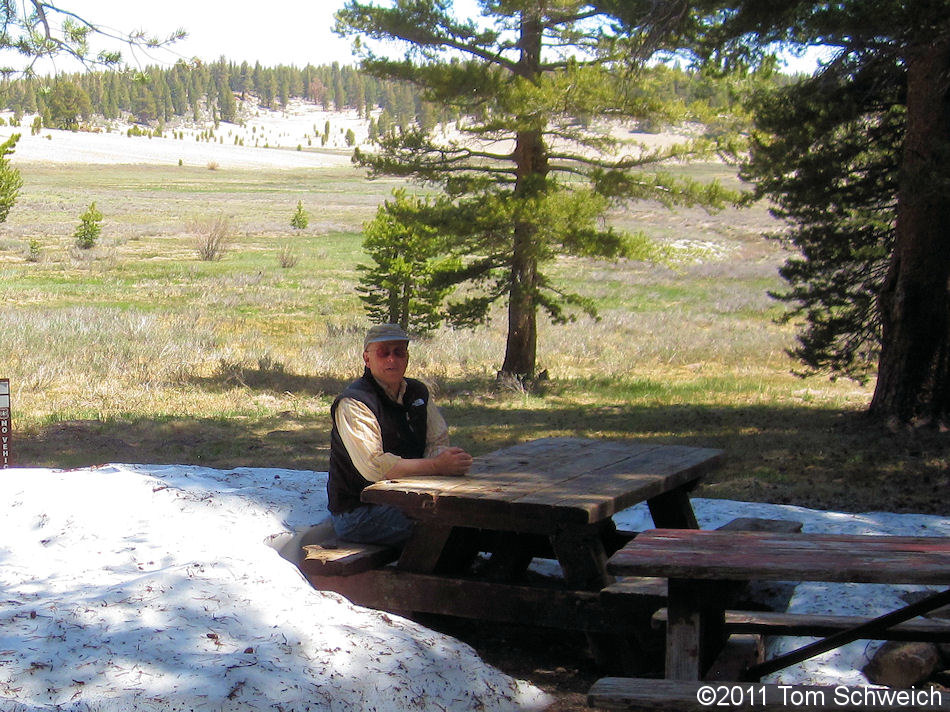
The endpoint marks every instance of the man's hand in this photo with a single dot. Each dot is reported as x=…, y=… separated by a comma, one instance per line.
x=452, y=461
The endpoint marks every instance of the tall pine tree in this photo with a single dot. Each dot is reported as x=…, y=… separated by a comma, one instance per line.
x=858, y=160
x=535, y=82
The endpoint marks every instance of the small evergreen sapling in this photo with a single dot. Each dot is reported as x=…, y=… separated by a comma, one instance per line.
x=300, y=219
x=90, y=227
x=34, y=250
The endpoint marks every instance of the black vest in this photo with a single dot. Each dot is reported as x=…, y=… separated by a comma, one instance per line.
x=403, y=428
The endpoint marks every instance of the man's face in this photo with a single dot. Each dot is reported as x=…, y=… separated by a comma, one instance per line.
x=387, y=361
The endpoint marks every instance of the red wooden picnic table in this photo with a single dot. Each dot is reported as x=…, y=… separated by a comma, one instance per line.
x=695, y=561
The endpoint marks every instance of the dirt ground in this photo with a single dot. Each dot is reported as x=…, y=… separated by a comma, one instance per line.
x=555, y=661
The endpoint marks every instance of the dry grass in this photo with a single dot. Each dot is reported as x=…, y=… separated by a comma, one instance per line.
x=139, y=352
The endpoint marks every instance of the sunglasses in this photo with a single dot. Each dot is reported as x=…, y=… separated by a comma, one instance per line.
x=387, y=351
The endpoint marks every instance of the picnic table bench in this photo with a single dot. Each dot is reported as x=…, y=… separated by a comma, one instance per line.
x=697, y=563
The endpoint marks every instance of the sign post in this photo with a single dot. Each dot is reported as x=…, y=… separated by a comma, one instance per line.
x=5, y=427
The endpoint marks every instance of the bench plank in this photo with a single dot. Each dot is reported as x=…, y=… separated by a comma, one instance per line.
x=391, y=589
x=743, y=555
x=629, y=693
x=813, y=625
x=344, y=558
x=759, y=524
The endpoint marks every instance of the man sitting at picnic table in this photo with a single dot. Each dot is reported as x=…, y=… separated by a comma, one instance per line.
x=385, y=426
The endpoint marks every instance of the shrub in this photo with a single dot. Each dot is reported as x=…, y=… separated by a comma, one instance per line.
x=90, y=227
x=212, y=236
x=34, y=251
x=287, y=257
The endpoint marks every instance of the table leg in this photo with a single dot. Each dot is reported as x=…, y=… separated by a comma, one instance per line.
x=439, y=548
x=583, y=561
x=614, y=539
x=583, y=558
x=672, y=510
x=694, y=628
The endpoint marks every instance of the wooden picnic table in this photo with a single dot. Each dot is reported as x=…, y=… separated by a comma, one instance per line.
x=564, y=490
x=551, y=498
x=698, y=562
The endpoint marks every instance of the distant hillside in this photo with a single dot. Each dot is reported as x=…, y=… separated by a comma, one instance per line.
x=299, y=135
x=202, y=94
x=263, y=139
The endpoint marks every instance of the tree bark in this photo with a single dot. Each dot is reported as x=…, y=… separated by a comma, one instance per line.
x=522, y=343
x=914, y=368
x=531, y=167
x=404, y=307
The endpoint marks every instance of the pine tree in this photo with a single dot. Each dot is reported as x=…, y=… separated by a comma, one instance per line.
x=227, y=106
x=403, y=286
x=10, y=180
x=856, y=159
x=143, y=104
x=516, y=209
x=89, y=229
x=300, y=219
x=66, y=103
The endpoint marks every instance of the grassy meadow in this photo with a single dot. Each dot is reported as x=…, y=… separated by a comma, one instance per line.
x=137, y=351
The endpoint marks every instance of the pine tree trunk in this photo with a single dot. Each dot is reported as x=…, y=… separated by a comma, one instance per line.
x=404, y=307
x=521, y=346
x=531, y=168
x=914, y=368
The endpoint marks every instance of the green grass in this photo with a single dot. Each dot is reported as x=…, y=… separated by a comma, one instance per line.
x=136, y=351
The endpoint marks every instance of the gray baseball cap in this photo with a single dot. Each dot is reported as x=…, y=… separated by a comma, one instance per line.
x=384, y=332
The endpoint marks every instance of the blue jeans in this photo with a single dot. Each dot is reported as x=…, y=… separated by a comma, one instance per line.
x=373, y=524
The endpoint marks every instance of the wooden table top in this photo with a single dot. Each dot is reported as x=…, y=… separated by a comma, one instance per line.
x=702, y=554
x=548, y=482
